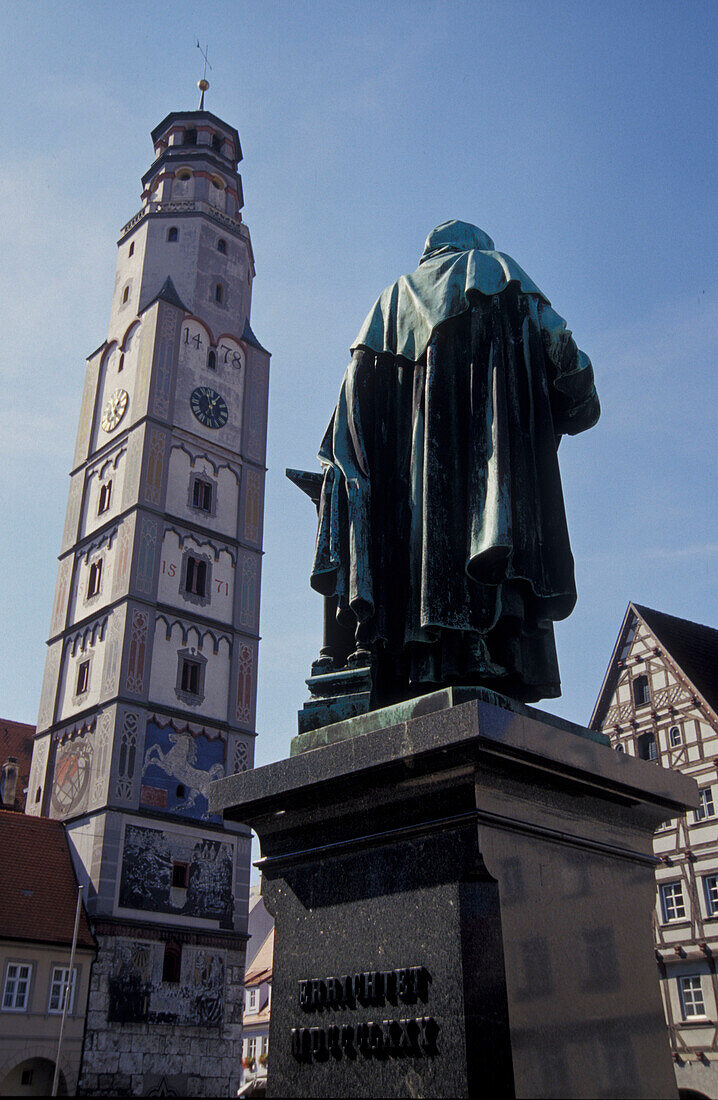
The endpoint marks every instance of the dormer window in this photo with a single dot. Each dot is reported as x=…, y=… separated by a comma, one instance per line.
x=189, y=137
x=172, y=233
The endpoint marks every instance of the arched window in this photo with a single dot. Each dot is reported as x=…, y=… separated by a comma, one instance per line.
x=189, y=137
x=646, y=747
x=674, y=736
x=641, y=694
x=216, y=143
x=211, y=360
x=221, y=245
x=172, y=233
x=219, y=293
x=132, y=249
x=125, y=295
x=183, y=174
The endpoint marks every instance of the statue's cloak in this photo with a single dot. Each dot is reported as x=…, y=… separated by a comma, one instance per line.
x=442, y=527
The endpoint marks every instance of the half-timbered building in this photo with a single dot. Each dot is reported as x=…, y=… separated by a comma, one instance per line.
x=659, y=701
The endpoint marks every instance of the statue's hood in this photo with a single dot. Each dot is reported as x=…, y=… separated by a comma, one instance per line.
x=458, y=259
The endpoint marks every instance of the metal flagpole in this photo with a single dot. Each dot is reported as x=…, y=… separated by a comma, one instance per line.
x=68, y=990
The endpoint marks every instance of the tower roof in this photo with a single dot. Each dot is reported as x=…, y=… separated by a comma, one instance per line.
x=196, y=117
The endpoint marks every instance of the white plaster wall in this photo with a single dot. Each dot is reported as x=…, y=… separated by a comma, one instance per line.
x=226, y=492
x=126, y=344
x=170, y=576
x=128, y=273
x=68, y=677
x=80, y=606
x=227, y=380
x=112, y=468
x=165, y=658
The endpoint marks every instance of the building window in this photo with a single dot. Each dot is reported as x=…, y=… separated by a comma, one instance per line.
x=172, y=233
x=252, y=1000
x=265, y=1044
x=251, y=1049
x=221, y=246
x=706, y=807
x=219, y=293
x=216, y=143
x=202, y=495
x=121, y=364
x=710, y=886
x=674, y=736
x=212, y=359
x=183, y=174
x=180, y=875
x=672, y=902
x=691, y=992
x=132, y=249
x=105, y=497
x=26, y=1077
x=195, y=576
x=83, y=678
x=641, y=694
x=646, y=747
x=172, y=963
x=619, y=748
x=189, y=137
x=95, y=578
x=125, y=294
x=17, y=987
x=58, y=989
x=190, y=678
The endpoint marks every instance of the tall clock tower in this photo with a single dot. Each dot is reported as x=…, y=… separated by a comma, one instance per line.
x=150, y=681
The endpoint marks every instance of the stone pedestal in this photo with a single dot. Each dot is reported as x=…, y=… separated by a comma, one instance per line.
x=463, y=907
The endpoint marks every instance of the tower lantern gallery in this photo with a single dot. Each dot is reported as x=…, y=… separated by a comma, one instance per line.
x=150, y=681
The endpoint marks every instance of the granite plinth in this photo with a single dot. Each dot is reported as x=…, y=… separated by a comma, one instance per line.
x=463, y=906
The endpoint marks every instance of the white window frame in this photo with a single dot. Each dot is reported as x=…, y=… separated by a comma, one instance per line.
x=675, y=737
x=252, y=1048
x=58, y=985
x=16, y=986
x=265, y=1044
x=706, y=806
x=672, y=899
x=252, y=1001
x=710, y=889
x=688, y=986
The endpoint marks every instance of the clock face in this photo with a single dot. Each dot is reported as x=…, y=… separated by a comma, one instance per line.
x=114, y=410
x=209, y=407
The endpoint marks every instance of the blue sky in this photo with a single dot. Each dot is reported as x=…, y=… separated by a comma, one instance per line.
x=581, y=136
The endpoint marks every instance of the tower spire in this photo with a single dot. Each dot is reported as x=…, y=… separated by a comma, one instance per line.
x=203, y=84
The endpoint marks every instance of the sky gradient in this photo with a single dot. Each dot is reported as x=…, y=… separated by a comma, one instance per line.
x=581, y=137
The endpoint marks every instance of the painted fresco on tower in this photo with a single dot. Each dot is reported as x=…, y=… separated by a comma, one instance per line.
x=138, y=993
x=178, y=768
x=170, y=873
x=73, y=768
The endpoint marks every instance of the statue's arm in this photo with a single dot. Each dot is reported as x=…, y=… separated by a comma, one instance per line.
x=574, y=398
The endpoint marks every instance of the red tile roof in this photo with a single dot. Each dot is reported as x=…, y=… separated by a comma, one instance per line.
x=16, y=740
x=38, y=887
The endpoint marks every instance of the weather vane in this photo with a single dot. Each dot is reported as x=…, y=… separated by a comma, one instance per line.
x=203, y=84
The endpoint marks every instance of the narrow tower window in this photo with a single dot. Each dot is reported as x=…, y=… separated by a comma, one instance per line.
x=105, y=497
x=93, y=583
x=202, y=495
x=125, y=294
x=121, y=364
x=172, y=963
x=190, y=676
x=216, y=143
x=132, y=249
x=172, y=233
x=189, y=137
x=211, y=360
x=196, y=580
x=221, y=245
x=83, y=678
x=219, y=293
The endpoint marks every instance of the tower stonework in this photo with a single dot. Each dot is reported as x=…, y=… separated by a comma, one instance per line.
x=150, y=681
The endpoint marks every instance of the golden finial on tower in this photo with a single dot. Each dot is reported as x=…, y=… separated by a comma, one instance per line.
x=203, y=84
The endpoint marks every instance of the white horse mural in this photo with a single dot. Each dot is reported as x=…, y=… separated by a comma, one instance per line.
x=180, y=763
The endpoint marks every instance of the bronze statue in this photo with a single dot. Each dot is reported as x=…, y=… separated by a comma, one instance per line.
x=442, y=532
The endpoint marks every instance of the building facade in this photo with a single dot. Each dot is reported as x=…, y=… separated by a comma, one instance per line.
x=659, y=701
x=38, y=905
x=257, y=997
x=150, y=679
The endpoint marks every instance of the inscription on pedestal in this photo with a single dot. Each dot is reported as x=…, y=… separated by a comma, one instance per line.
x=413, y=1036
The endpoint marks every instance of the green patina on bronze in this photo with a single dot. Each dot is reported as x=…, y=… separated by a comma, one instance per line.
x=442, y=530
